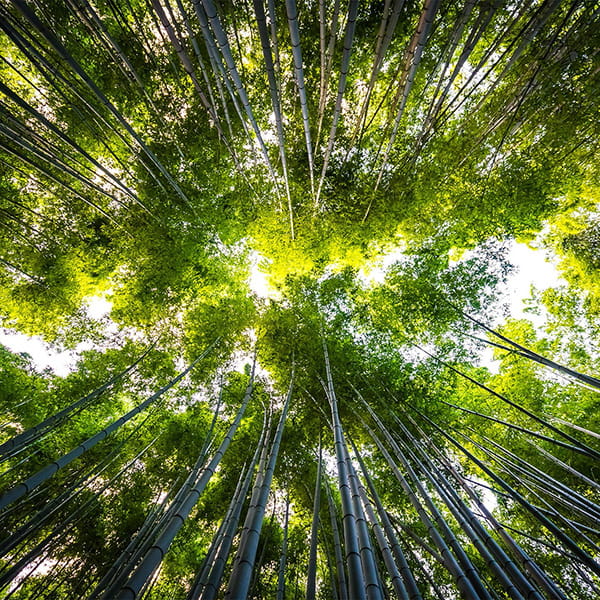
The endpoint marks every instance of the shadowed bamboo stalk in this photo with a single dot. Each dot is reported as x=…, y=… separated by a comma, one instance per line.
x=337, y=547
x=157, y=551
x=31, y=483
x=140, y=541
x=407, y=587
x=211, y=582
x=244, y=561
x=14, y=444
x=535, y=572
x=461, y=579
x=372, y=578
x=311, y=579
x=518, y=497
x=594, y=382
x=503, y=568
x=61, y=531
x=356, y=580
x=385, y=34
x=329, y=54
x=73, y=144
x=86, y=481
x=229, y=521
x=284, y=550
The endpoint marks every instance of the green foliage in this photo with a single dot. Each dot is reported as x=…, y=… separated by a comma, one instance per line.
x=131, y=169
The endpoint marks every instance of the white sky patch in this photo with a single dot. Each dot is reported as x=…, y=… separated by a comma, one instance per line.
x=375, y=270
x=258, y=281
x=98, y=307
x=532, y=269
x=43, y=355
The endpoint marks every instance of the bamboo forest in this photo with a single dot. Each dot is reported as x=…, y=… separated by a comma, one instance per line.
x=277, y=242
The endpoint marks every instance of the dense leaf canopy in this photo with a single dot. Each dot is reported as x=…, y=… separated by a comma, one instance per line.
x=336, y=433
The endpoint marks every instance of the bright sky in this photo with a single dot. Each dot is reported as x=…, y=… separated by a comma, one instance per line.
x=45, y=355
x=532, y=268
x=258, y=280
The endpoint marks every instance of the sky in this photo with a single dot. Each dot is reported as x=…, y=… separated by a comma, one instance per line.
x=45, y=355
x=532, y=268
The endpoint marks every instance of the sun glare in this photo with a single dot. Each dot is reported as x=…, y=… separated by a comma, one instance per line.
x=258, y=280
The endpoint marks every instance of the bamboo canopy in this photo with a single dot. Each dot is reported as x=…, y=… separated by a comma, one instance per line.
x=340, y=439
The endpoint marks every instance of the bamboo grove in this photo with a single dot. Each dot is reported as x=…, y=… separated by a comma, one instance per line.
x=341, y=438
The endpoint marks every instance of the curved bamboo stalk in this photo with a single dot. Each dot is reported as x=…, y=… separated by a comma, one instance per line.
x=192, y=37
x=156, y=552
x=337, y=546
x=547, y=499
x=23, y=272
x=344, y=68
x=292, y=14
x=475, y=34
x=25, y=158
x=243, y=564
x=16, y=443
x=25, y=487
x=311, y=578
x=356, y=580
x=537, y=574
x=49, y=152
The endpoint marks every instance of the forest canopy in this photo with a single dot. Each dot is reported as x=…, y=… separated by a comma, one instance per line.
x=375, y=423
